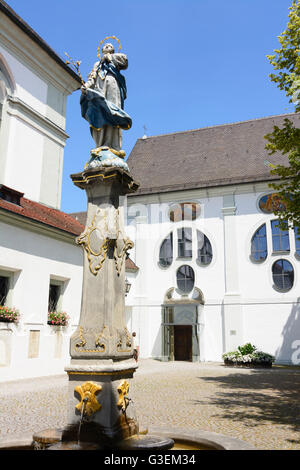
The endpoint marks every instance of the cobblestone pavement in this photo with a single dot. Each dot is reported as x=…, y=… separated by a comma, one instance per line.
x=261, y=407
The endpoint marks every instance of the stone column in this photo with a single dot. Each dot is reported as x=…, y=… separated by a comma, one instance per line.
x=101, y=348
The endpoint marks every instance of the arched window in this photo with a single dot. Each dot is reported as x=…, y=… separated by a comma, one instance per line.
x=283, y=275
x=185, y=247
x=259, y=247
x=166, y=251
x=204, y=249
x=280, y=238
x=185, y=278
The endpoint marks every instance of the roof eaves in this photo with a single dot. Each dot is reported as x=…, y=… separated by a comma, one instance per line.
x=12, y=15
x=203, y=185
x=26, y=218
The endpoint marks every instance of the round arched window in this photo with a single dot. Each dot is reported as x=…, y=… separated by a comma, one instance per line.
x=283, y=275
x=185, y=278
x=184, y=211
x=166, y=251
x=259, y=247
x=204, y=249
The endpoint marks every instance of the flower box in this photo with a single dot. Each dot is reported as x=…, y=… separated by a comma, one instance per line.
x=248, y=356
x=57, y=319
x=249, y=365
x=9, y=314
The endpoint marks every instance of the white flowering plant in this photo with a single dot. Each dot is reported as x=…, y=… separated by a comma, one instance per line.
x=248, y=355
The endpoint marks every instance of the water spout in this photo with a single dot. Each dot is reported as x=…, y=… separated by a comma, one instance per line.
x=85, y=400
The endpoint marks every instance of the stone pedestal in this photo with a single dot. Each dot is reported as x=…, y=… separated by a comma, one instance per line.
x=101, y=348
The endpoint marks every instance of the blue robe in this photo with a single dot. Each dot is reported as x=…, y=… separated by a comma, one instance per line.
x=99, y=111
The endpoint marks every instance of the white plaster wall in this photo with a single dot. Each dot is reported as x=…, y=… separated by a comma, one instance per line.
x=273, y=328
x=34, y=258
x=30, y=88
x=211, y=333
x=24, y=159
x=34, y=123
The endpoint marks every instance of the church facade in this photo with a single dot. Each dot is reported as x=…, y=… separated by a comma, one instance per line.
x=215, y=270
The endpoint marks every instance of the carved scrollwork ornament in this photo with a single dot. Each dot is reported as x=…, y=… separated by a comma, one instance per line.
x=99, y=343
x=95, y=242
x=82, y=341
x=128, y=341
x=121, y=252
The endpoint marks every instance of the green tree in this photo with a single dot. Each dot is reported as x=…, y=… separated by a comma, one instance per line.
x=286, y=61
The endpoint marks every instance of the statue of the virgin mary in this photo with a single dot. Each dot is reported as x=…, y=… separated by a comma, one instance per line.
x=102, y=102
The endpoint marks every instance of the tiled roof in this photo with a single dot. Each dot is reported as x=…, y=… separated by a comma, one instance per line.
x=130, y=265
x=80, y=217
x=43, y=214
x=210, y=156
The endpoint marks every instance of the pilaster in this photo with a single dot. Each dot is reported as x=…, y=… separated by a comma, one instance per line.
x=232, y=310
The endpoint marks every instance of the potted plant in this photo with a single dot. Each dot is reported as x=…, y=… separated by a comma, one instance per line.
x=57, y=318
x=248, y=356
x=9, y=314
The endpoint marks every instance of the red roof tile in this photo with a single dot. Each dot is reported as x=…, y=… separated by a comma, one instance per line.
x=43, y=214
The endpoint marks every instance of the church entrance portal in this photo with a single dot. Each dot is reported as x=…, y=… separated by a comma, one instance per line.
x=180, y=332
x=183, y=342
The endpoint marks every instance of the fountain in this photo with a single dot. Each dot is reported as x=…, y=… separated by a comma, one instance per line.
x=101, y=349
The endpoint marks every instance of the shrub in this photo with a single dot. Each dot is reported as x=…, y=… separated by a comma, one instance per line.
x=248, y=355
x=247, y=348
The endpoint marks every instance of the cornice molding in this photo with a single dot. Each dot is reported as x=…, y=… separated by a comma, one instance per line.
x=30, y=53
x=198, y=193
x=20, y=109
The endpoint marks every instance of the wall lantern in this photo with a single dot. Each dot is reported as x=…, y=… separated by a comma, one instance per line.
x=127, y=286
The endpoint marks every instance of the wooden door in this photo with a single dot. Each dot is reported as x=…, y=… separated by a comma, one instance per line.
x=183, y=342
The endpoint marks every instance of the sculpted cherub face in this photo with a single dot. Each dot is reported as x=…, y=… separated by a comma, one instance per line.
x=108, y=49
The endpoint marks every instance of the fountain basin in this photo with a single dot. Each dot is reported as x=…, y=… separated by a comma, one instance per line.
x=183, y=440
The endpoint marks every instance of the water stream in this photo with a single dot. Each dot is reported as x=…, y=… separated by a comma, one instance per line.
x=81, y=419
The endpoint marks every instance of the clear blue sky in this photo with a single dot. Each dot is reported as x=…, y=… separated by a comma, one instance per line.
x=192, y=63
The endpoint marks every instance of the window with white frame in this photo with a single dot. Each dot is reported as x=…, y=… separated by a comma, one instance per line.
x=56, y=288
x=283, y=275
x=259, y=245
x=185, y=243
x=184, y=247
x=281, y=241
x=166, y=251
x=4, y=289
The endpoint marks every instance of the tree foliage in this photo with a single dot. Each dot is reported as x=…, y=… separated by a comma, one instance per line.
x=286, y=140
